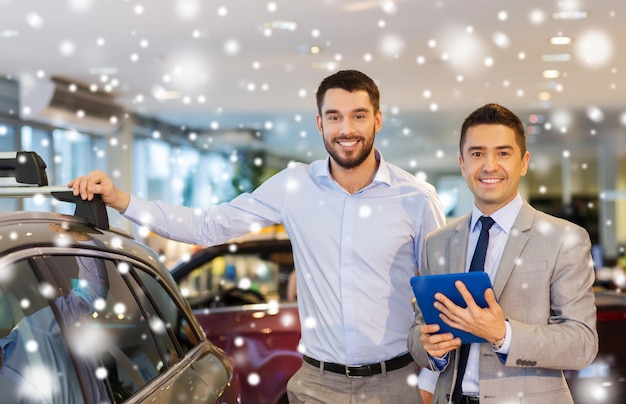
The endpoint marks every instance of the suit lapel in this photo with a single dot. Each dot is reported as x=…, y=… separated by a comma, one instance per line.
x=514, y=246
x=458, y=245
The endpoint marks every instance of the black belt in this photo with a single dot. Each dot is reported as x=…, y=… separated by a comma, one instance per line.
x=470, y=400
x=363, y=370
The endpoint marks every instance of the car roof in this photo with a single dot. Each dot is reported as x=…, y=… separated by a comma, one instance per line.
x=610, y=300
x=23, y=230
x=205, y=254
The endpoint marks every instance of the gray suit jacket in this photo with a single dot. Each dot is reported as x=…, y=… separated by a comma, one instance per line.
x=544, y=285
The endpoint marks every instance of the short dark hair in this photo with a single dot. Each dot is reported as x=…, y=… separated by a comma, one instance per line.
x=349, y=80
x=494, y=114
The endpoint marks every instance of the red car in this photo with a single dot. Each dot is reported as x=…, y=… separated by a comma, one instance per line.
x=237, y=291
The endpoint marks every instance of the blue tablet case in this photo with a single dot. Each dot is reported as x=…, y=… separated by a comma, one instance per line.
x=426, y=286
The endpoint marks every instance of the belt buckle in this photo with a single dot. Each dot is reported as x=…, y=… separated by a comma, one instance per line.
x=347, y=372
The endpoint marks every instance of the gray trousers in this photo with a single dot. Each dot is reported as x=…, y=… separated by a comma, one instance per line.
x=312, y=385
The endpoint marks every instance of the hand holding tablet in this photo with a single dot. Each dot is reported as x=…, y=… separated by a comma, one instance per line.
x=426, y=286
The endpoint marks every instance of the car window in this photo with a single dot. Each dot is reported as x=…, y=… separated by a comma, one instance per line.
x=36, y=362
x=256, y=272
x=176, y=322
x=84, y=319
x=19, y=295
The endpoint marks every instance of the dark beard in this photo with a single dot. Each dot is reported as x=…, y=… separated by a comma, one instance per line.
x=352, y=161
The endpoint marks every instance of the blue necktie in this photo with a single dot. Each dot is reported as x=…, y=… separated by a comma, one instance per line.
x=478, y=260
x=477, y=264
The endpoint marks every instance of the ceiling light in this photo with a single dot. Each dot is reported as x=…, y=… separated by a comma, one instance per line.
x=284, y=25
x=544, y=96
x=103, y=71
x=9, y=33
x=330, y=66
x=569, y=15
x=162, y=94
x=560, y=40
x=315, y=49
x=551, y=74
x=362, y=5
x=556, y=57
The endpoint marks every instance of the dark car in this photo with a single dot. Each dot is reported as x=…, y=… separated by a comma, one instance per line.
x=604, y=381
x=238, y=292
x=89, y=315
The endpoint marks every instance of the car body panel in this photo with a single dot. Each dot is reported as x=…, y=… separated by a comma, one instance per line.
x=263, y=340
x=18, y=230
x=206, y=371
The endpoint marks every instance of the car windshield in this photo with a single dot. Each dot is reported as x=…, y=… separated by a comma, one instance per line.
x=263, y=273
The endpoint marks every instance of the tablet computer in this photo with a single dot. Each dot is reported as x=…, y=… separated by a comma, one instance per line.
x=426, y=286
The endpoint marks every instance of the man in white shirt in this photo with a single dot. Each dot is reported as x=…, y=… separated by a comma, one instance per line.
x=356, y=224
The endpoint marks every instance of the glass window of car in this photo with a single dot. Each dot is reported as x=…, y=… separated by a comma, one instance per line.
x=244, y=271
x=161, y=303
x=36, y=364
x=119, y=331
x=80, y=320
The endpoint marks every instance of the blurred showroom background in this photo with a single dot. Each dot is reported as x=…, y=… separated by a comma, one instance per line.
x=193, y=102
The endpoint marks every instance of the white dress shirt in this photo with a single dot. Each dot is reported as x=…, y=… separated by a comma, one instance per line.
x=354, y=253
x=498, y=236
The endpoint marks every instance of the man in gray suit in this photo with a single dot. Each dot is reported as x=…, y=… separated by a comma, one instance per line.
x=541, y=315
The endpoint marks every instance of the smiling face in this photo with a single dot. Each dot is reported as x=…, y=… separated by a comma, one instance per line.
x=348, y=124
x=492, y=164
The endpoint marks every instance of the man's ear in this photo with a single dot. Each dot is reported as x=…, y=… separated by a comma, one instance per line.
x=525, y=160
x=462, y=165
x=319, y=124
x=379, y=120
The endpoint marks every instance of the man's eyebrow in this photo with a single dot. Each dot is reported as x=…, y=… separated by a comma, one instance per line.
x=336, y=111
x=503, y=147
